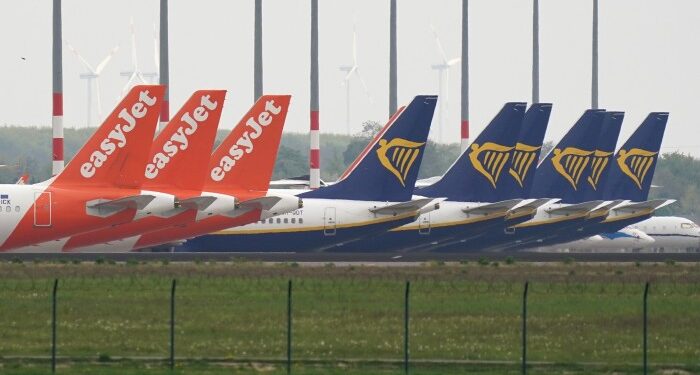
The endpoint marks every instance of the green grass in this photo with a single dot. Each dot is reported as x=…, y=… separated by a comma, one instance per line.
x=582, y=318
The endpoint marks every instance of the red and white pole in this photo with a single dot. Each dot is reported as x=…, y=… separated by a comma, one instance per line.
x=315, y=150
x=464, y=143
x=57, y=114
x=164, y=73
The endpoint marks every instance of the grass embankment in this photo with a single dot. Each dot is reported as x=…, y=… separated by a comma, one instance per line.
x=237, y=311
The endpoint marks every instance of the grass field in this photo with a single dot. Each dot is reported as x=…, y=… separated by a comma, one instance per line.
x=231, y=318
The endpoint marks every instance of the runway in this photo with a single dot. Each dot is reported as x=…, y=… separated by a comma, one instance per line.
x=355, y=257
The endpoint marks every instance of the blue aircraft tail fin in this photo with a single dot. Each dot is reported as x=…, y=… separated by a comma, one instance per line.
x=387, y=169
x=597, y=170
x=477, y=174
x=526, y=154
x=633, y=167
x=562, y=171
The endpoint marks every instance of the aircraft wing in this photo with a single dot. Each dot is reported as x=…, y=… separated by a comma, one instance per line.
x=422, y=205
x=104, y=208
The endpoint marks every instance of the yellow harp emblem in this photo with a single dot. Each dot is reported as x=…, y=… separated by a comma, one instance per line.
x=598, y=164
x=523, y=157
x=635, y=163
x=398, y=156
x=570, y=163
x=489, y=159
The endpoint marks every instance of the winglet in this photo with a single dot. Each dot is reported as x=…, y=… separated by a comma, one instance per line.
x=116, y=153
x=246, y=158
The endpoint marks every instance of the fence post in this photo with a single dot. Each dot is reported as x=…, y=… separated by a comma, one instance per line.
x=53, y=326
x=405, y=327
x=644, y=343
x=172, y=324
x=289, y=327
x=524, y=363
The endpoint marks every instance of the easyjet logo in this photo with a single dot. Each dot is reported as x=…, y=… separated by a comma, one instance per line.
x=117, y=137
x=178, y=141
x=245, y=144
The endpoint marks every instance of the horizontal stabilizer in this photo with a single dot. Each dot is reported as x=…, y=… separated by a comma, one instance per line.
x=577, y=209
x=197, y=203
x=501, y=207
x=105, y=208
x=420, y=204
x=634, y=207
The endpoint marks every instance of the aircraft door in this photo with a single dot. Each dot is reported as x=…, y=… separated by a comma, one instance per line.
x=329, y=221
x=424, y=224
x=42, y=209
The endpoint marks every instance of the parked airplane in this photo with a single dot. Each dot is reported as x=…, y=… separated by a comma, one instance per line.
x=658, y=233
x=558, y=176
x=628, y=181
x=234, y=189
x=372, y=196
x=100, y=187
x=183, y=145
x=474, y=187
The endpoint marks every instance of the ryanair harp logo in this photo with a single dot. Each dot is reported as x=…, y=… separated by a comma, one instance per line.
x=523, y=157
x=489, y=159
x=570, y=163
x=600, y=161
x=635, y=163
x=398, y=156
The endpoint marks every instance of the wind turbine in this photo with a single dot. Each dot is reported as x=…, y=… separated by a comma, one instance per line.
x=350, y=70
x=135, y=75
x=93, y=76
x=443, y=70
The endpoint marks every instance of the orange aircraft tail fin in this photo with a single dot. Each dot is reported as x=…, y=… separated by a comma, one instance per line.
x=116, y=153
x=180, y=154
x=246, y=158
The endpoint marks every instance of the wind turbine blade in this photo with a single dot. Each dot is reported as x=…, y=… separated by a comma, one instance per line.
x=82, y=60
x=104, y=62
x=99, y=100
x=156, y=49
x=364, y=85
x=354, y=46
x=439, y=45
x=454, y=61
x=352, y=70
x=134, y=61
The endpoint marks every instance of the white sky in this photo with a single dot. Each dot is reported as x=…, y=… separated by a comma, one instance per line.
x=648, y=57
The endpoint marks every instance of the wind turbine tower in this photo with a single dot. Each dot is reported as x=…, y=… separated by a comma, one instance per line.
x=443, y=70
x=351, y=70
x=135, y=74
x=92, y=78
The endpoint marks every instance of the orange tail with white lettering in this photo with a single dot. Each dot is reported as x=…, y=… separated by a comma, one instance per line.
x=246, y=158
x=116, y=154
x=181, y=152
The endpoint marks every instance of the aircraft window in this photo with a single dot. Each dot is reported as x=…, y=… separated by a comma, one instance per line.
x=271, y=221
x=294, y=220
x=279, y=221
x=301, y=221
x=16, y=208
x=286, y=220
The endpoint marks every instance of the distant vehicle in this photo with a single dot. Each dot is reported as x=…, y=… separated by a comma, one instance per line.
x=374, y=194
x=100, y=187
x=658, y=233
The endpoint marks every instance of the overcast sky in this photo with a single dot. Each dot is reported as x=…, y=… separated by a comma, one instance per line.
x=648, y=58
